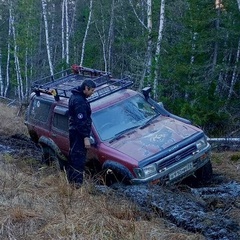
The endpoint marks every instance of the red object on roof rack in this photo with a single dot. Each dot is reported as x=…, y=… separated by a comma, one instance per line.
x=83, y=70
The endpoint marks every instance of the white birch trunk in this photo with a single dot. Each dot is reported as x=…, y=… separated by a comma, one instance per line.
x=8, y=54
x=63, y=30
x=26, y=75
x=235, y=70
x=46, y=35
x=103, y=41
x=17, y=64
x=149, y=27
x=86, y=32
x=192, y=59
x=52, y=14
x=238, y=1
x=27, y=88
x=67, y=32
x=1, y=78
x=158, y=48
x=234, y=75
x=148, y=63
x=110, y=36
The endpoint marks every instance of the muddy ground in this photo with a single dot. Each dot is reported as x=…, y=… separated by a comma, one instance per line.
x=211, y=209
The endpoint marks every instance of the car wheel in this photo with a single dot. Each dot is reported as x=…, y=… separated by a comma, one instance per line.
x=113, y=177
x=50, y=158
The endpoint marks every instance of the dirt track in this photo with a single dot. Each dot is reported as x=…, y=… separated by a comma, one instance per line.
x=212, y=209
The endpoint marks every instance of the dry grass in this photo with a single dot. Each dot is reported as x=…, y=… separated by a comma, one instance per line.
x=39, y=204
x=11, y=123
x=227, y=164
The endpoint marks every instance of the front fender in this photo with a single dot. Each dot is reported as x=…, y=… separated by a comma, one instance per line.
x=44, y=141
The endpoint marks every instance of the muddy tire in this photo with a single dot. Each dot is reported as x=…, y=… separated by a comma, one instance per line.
x=50, y=158
x=113, y=177
x=205, y=173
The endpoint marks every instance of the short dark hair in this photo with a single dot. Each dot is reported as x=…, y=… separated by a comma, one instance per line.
x=89, y=83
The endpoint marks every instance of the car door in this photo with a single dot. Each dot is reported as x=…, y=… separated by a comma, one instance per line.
x=59, y=130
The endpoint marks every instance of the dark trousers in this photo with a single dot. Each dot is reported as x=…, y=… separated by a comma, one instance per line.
x=77, y=158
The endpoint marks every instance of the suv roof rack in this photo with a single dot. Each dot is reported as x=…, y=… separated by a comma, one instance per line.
x=62, y=83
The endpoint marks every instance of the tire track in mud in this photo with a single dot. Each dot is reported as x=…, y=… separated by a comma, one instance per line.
x=204, y=210
x=194, y=210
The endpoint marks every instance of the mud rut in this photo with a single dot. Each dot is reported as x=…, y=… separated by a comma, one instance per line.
x=204, y=209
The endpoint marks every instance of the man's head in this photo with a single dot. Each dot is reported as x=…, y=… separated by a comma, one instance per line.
x=88, y=86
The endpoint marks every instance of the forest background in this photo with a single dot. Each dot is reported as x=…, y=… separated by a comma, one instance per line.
x=188, y=51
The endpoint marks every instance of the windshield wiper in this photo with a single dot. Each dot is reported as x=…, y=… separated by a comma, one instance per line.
x=149, y=121
x=120, y=134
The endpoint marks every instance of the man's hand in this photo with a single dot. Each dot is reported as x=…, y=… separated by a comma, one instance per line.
x=87, y=142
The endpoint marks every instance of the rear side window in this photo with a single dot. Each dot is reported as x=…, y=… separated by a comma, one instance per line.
x=40, y=110
x=60, y=119
x=60, y=122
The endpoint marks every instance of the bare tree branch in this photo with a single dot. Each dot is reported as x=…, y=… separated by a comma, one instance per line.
x=139, y=19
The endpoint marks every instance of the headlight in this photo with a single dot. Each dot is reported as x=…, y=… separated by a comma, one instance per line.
x=202, y=143
x=146, y=171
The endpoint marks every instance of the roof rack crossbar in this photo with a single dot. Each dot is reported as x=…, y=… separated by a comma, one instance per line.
x=115, y=86
x=63, y=86
x=51, y=78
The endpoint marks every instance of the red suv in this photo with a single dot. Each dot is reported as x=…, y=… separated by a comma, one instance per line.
x=133, y=137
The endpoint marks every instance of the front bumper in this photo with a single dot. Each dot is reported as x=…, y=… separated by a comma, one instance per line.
x=179, y=170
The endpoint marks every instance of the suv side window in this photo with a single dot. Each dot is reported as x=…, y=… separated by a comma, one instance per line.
x=60, y=119
x=40, y=110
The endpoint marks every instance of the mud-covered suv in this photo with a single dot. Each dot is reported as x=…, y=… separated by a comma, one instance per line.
x=133, y=137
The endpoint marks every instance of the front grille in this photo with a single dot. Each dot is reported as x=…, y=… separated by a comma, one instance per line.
x=174, y=158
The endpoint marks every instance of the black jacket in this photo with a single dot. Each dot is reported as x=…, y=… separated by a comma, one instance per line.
x=79, y=113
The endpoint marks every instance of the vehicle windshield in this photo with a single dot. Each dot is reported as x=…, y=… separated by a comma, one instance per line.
x=119, y=118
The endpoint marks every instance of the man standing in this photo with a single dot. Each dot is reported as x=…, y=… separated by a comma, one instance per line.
x=79, y=131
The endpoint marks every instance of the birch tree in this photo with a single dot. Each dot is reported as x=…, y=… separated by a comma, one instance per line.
x=238, y=2
x=148, y=27
x=236, y=72
x=234, y=75
x=158, y=47
x=65, y=32
x=44, y=4
x=16, y=60
x=110, y=35
x=1, y=77
x=228, y=76
x=105, y=28
x=102, y=36
x=86, y=32
x=63, y=29
x=7, y=79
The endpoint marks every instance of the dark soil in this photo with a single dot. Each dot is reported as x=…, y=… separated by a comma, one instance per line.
x=211, y=209
x=21, y=146
x=206, y=210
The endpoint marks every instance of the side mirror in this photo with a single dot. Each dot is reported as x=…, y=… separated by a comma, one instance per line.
x=146, y=92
